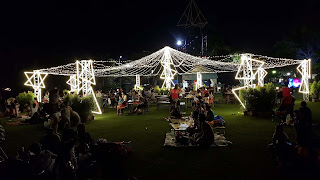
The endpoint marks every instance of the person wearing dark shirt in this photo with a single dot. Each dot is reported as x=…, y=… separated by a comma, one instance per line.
x=175, y=111
x=209, y=113
x=305, y=114
x=206, y=136
x=66, y=162
x=50, y=141
x=84, y=139
x=41, y=161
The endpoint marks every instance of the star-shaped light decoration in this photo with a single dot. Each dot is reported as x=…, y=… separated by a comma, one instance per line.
x=36, y=81
x=246, y=73
x=74, y=83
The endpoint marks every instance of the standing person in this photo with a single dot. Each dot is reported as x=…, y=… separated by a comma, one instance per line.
x=175, y=93
x=54, y=109
x=66, y=114
x=211, y=99
x=305, y=114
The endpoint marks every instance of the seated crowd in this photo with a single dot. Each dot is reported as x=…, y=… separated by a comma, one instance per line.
x=283, y=150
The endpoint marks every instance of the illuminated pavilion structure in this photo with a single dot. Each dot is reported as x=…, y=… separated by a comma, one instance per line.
x=168, y=62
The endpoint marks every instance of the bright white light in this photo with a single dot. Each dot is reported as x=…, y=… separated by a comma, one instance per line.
x=137, y=85
x=261, y=75
x=288, y=74
x=85, y=76
x=274, y=71
x=277, y=88
x=199, y=80
x=305, y=70
x=167, y=73
x=247, y=75
x=36, y=81
x=74, y=83
x=179, y=43
x=236, y=95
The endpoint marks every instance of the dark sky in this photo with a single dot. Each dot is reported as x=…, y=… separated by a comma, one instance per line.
x=38, y=34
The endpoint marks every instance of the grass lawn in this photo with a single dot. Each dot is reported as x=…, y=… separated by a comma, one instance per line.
x=248, y=158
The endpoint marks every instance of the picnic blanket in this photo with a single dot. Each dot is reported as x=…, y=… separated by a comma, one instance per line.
x=18, y=121
x=219, y=139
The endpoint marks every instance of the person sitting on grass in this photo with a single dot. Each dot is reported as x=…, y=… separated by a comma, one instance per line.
x=41, y=161
x=84, y=139
x=206, y=136
x=209, y=113
x=50, y=141
x=175, y=111
x=280, y=144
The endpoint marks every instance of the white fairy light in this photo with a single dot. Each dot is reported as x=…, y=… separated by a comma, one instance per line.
x=183, y=63
x=199, y=80
x=305, y=70
x=137, y=85
x=36, y=81
x=236, y=95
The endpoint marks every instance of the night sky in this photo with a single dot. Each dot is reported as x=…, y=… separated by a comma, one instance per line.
x=39, y=34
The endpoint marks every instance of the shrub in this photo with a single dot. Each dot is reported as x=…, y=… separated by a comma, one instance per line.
x=314, y=90
x=164, y=90
x=82, y=105
x=259, y=99
x=157, y=89
x=25, y=98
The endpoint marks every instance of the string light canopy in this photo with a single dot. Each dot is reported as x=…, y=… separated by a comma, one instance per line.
x=183, y=63
x=168, y=62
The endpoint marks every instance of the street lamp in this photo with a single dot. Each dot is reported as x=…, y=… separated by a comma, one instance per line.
x=179, y=42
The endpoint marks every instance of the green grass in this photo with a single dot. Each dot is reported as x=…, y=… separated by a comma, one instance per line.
x=248, y=158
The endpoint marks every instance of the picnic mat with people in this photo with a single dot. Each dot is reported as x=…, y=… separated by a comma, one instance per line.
x=219, y=139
